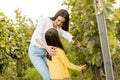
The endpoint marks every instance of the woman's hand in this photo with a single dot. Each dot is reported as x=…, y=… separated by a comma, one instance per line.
x=50, y=50
x=76, y=42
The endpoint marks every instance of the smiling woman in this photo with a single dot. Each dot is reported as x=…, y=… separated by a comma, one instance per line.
x=31, y=8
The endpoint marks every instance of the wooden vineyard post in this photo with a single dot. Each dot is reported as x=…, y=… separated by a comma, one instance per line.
x=104, y=40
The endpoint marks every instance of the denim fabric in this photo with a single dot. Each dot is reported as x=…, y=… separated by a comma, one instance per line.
x=38, y=59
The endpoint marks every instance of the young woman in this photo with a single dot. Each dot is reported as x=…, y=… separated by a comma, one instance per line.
x=38, y=46
x=59, y=65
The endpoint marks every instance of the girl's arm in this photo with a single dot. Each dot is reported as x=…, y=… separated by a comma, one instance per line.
x=67, y=63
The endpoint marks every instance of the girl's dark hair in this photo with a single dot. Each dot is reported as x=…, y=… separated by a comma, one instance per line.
x=52, y=39
x=64, y=13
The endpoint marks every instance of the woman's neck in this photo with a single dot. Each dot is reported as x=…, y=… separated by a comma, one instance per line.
x=54, y=26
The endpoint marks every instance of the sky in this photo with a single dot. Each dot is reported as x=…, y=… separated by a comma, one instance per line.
x=31, y=8
x=117, y=3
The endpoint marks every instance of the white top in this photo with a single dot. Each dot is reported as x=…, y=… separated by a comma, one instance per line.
x=43, y=25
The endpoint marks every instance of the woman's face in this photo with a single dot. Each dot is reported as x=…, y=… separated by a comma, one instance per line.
x=59, y=21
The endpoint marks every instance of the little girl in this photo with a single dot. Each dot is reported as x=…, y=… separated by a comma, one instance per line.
x=59, y=64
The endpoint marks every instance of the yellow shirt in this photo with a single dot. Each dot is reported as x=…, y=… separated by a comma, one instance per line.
x=60, y=65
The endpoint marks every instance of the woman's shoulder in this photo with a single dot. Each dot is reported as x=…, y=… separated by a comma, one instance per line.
x=43, y=18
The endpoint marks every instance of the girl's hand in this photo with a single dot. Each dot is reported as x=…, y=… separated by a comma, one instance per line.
x=50, y=50
x=84, y=66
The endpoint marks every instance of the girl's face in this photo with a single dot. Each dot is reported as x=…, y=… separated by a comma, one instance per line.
x=59, y=21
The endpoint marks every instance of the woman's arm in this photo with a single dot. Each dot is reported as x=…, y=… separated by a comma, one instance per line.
x=69, y=37
x=50, y=49
x=38, y=35
x=66, y=35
